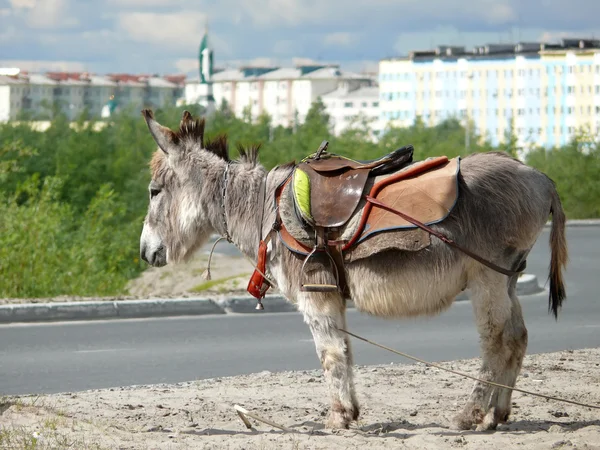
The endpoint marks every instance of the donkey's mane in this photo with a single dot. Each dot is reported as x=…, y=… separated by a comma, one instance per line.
x=191, y=129
x=194, y=130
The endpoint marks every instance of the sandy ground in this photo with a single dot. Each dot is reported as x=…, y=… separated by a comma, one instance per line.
x=403, y=406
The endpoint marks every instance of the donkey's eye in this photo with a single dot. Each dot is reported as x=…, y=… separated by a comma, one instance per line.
x=154, y=192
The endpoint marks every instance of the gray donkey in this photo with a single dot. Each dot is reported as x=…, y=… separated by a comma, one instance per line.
x=196, y=190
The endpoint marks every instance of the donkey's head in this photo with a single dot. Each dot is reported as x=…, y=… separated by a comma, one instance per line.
x=184, y=190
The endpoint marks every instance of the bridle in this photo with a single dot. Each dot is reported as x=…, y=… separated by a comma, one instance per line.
x=258, y=278
x=223, y=199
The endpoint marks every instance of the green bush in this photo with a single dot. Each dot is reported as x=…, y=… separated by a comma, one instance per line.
x=72, y=199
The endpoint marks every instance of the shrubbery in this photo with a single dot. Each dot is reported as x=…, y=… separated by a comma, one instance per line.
x=72, y=199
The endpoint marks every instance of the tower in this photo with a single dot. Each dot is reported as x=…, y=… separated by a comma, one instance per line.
x=205, y=69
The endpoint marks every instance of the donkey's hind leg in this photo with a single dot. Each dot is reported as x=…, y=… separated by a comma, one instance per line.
x=324, y=314
x=503, y=343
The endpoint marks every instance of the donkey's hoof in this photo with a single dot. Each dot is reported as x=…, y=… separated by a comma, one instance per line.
x=493, y=417
x=489, y=422
x=340, y=418
x=461, y=423
x=465, y=420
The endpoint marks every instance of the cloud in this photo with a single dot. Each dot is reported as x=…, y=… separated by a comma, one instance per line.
x=162, y=36
x=8, y=34
x=286, y=47
x=142, y=3
x=180, y=30
x=282, y=13
x=16, y=4
x=42, y=66
x=44, y=14
x=186, y=65
x=171, y=29
x=341, y=38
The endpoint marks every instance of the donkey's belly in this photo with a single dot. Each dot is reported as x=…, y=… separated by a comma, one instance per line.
x=392, y=290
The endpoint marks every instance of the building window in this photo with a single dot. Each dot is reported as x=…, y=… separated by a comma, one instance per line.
x=375, y=104
x=348, y=105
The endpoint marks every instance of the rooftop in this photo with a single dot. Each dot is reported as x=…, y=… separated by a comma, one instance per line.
x=15, y=76
x=361, y=92
x=498, y=50
x=308, y=72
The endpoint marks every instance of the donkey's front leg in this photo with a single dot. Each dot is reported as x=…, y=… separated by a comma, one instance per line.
x=324, y=314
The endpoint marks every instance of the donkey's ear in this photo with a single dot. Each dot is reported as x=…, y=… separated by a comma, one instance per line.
x=186, y=116
x=165, y=138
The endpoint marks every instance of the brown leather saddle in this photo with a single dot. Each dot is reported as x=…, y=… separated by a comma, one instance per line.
x=327, y=189
x=325, y=198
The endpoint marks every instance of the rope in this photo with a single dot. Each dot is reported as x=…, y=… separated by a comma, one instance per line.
x=548, y=397
x=437, y=366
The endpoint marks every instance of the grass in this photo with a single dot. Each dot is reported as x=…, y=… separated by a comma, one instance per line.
x=212, y=283
x=53, y=430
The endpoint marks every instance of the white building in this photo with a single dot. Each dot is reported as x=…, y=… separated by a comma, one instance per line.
x=98, y=94
x=12, y=92
x=283, y=93
x=69, y=93
x=350, y=106
x=74, y=92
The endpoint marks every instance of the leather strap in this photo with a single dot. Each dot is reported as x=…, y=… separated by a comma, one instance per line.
x=448, y=241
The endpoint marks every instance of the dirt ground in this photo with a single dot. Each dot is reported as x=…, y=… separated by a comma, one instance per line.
x=403, y=406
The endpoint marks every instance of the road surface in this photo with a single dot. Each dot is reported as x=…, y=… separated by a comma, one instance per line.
x=67, y=357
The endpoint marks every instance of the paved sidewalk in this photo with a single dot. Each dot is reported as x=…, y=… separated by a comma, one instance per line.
x=127, y=309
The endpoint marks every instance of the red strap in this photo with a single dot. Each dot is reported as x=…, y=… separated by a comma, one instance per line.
x=258, y=286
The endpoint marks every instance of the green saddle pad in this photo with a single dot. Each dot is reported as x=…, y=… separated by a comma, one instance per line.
x=301, y=193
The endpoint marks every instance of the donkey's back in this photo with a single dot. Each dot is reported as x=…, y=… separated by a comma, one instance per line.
x=501, y=210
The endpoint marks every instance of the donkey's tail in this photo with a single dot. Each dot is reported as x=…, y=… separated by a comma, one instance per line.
x=559, y=255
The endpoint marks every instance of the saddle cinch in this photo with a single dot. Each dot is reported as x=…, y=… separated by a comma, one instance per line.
x=316, y=204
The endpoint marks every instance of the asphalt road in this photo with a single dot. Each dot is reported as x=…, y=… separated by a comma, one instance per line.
x=66, y=357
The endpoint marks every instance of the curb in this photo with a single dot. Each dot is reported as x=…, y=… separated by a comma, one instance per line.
x=129, y=309
x=528, y=285
x=577, y=223
x=247, y=305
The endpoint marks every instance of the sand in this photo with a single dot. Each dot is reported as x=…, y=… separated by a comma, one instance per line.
x=403, y=406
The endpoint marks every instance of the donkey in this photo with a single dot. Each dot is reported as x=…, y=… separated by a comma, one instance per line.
x=197, y=190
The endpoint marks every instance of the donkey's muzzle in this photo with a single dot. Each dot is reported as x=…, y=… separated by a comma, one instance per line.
x=157, y=258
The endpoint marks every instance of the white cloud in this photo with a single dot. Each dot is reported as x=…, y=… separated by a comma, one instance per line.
x=281, y=13
x=342, y=38
x=8, y=34
x=144, y=3
x=186, y=65
x=181, y=30
x=285, y=12
x=44, y=14
x=286, y=47
x=42, y=66
x=167, y=29
x=17, y=4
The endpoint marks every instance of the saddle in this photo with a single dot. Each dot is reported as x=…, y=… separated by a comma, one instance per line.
x=325, y=210
x=327, y=189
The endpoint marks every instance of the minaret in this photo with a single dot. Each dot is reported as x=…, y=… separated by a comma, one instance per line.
x=205, y=66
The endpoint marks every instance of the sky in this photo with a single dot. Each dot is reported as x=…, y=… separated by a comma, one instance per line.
x=162, y=36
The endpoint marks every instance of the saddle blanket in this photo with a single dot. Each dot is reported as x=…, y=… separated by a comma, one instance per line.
x=426, y=191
